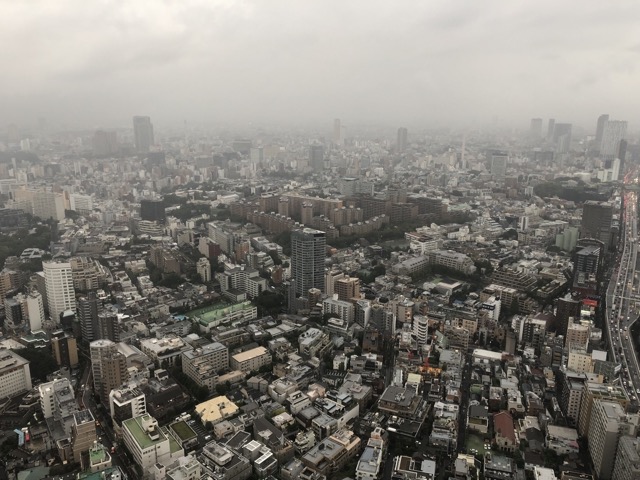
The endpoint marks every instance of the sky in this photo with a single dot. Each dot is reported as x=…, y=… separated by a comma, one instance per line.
x=460, y=63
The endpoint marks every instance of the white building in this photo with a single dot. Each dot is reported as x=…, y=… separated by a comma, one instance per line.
x=35, y=309
x=203, y=267
x=203, y=364
x=58, y=281
x=15, y=376
x=251, y=360
x=148, y=444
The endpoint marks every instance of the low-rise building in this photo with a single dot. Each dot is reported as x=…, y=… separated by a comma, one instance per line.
x=251, y=360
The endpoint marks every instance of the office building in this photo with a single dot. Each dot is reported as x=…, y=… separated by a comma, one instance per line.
x=308, y=252
x=108, y=327
x=551, y=125
x=105, y=143
x=316, y=157
x=226, y=463
x=588, y=266
x=602, y=119
x=401, y=142
x=567, y=311
x=608, y=422
x=15, y=376
x=109, y=367
x=65, y=349
x=58, y=280
x=83, y=435
x=562, y=137
x=152, y=210
x=48, y=205
x=143, y=134
x=337, y=132
x=613, y=133
x=58, y=401
x=597, y=218
x=535, y=131
x=499, y=164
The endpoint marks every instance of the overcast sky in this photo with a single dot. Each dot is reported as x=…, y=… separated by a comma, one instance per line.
x=425, y=62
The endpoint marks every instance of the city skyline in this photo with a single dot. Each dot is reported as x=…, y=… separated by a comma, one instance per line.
x=444, y=65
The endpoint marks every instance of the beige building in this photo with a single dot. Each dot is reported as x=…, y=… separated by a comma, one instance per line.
x=251, y=360
x=216, y=410
x=15, y=376
x=580, y=361
x=203, y=364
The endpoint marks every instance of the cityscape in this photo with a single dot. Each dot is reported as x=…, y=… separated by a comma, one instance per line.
x=263, y=258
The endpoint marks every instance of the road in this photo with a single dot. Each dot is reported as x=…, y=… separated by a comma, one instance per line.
x=623, y=300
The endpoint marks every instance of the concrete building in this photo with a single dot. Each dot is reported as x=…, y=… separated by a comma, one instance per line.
x=598, y=391
x=332, y=453
x=15, y=376
x=58, y=278
x=109, y=367
x=227, y=464
x=608, y=422
x=65, y=349
x=148, y=443
x=35, y=310
x=627, y=464
x=250, y=360
x=203, y=364
x=203, y=267
x=124, y=403
x=142, y=134
x=308, y=252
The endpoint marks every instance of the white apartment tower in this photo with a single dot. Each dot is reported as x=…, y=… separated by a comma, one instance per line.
x=58, y=281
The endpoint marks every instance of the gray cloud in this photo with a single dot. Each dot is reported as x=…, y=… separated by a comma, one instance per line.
x=413, y=62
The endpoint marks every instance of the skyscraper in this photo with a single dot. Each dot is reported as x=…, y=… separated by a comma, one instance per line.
x=550, y=127
x=152, y=210
x=143, y=134
x=600, y=129
x=535, y=131
x=58, y=282
x=109, y=367
x=499, y=164
x=308, y=252
x=562, y=137
x=316, y=157
x=401, y=142
x=337, y=132
x=613, y=133
x=597, y=218
x=65, y=349
x=88, y=317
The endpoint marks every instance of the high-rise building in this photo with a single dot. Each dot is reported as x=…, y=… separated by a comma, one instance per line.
x=109, y=367
x=600, y=129
x=567, y=308
x=562, y=137
x=535, y=131
x=316, y=157
x=105, y=143
x=499, y=164
x=337, y=132
x=587, y=268
x=48, y=205
x=125, y=403
x=58, y=280
x=550, y=127
x=88, y=317
x=608, y=423
x=597, y=219
x=143, y=134
x=613, y=133
x=203, y=267
x=308, y=252
x=152, y=210
x=348, y=288
x=65, y=349
x=35, y=309
x=401, y=142
x=627, y=465
x=108, y=326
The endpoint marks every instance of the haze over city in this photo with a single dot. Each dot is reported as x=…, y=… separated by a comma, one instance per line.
x=431, y=64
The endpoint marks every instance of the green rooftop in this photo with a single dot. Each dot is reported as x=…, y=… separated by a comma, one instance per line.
x=213, y=313
x=101, y=475
x=183, y=431
x=142, y=438
x=97, y=455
